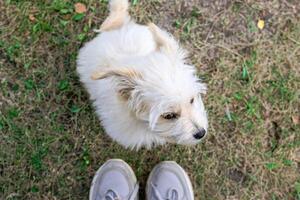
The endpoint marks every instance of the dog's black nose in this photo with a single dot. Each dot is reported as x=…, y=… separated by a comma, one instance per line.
x=200, y=134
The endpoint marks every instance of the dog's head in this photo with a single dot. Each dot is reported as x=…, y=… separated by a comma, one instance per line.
x=163, y=92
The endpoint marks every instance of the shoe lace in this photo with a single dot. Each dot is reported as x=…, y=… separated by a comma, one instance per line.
x=172, y=194
x=113, y=195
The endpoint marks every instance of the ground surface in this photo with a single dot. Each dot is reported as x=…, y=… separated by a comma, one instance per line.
x=51, y=142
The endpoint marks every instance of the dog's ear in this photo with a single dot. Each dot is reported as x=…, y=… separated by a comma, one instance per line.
x=125, y=79
x=163, y=40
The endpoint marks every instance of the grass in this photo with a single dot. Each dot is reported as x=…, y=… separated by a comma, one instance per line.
x=51, y=140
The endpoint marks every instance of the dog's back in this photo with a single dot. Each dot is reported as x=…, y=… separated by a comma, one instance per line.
x=120, y=38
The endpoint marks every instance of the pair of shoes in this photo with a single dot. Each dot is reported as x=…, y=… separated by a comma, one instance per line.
x=115, y=180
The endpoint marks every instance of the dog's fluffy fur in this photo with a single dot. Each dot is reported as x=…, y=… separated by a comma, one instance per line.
x=143, y=91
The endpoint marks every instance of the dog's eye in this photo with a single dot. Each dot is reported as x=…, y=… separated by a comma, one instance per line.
x=192, y=101
x=170, y=116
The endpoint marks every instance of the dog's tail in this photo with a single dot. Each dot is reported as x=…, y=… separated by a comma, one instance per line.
x=118, y=15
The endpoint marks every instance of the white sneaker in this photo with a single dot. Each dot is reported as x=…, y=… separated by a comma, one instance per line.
x=169, y=181
x=114, y=180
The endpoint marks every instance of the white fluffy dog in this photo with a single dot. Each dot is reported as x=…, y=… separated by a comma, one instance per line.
x=139, y=82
